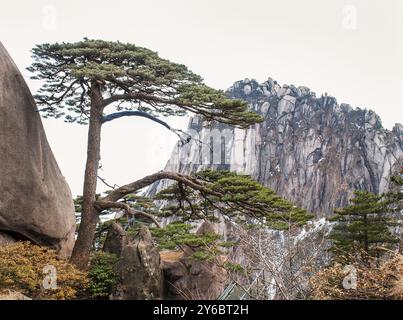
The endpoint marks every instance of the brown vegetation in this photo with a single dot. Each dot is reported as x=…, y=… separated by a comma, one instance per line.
x=22, y=270
x=375, y=281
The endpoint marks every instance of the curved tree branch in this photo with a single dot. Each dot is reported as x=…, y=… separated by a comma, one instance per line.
x=205, y=109
x=137, y=113
x=131, y=113
x=189, y=181
x=104, y=205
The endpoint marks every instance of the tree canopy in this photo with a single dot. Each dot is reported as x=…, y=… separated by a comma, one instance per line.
x=205, y=194
x=232, y=195
x=82, y=80
x=364, y=225
x=131, y=78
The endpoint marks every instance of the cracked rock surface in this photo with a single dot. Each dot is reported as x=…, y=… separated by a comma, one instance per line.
x=309, y=149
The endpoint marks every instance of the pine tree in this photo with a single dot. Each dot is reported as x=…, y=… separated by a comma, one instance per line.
x=80, y=80
x=364, y=226
x=234, y=196
x=203, y=196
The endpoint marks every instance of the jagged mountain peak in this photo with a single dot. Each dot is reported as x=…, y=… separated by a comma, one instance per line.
x=253, y=91
x=309, y=148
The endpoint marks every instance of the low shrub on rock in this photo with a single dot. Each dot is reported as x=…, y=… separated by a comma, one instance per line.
x=102, y=274
x=26, y=268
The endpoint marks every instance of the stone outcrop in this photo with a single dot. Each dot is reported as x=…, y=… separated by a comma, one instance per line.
x=310, y=150
x=13, y=295
x=138, y=268
x=187, y=278
x=35, y=200
x=115, y=240
x=145, y=273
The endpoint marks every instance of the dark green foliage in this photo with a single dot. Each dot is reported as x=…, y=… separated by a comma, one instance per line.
x=232, y=195
x=234, y=267
x=363, y=226
x=78, y=203
x=395, y=196
x=133, y=228
x=102, y=275
x=142, y=203
x=398, y=179
x=131, y=78
x=227, y=244
x=176, y=234
x=205, y=255
x=101, y=233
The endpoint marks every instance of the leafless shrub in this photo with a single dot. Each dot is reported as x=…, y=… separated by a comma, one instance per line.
x=279, y=264
x=376, y=280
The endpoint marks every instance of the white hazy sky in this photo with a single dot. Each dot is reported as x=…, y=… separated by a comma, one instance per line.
x=351, y=49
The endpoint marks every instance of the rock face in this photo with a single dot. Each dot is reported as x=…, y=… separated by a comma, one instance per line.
x=146, y=273
x=186, y=278
x=35, y=200
x=6, y=239
x=140, y=276
x=309, y=149
x=115, y=240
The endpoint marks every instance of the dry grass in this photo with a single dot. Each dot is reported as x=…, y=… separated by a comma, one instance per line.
x=397, y=290
x=171, y=255
x=375, y=281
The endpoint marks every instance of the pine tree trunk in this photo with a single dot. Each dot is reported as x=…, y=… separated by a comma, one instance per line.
x=366, y=242
x=89, y=215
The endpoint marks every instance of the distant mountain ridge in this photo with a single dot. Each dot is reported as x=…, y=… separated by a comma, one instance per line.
x=309, y=149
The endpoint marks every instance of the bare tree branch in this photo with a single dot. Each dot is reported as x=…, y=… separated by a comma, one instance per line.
x=137, y=113
x=131, y=113
x=107, y=184
x=148, y=180
x=104, y=205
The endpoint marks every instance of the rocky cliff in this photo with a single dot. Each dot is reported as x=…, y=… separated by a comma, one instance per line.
x=309, y=149
x=35, y=200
